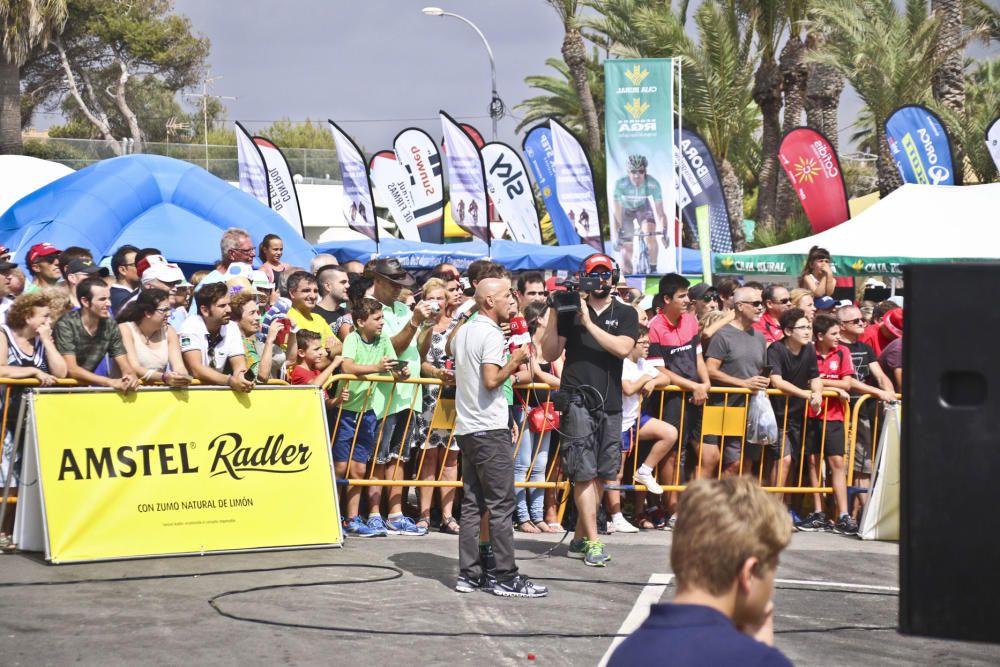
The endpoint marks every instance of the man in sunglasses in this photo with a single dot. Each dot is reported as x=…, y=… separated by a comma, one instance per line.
x=631, y=205
x=737, y=357
x=776, y=301
x=596, y=340
x=704, y=298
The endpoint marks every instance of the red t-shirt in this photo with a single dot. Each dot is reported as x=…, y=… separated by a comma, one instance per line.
x=769, y=326
x=302, y=375
x=676, y=348
x=876, y=337
x=835, y=365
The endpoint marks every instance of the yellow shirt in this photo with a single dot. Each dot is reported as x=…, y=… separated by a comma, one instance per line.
x=312, y=322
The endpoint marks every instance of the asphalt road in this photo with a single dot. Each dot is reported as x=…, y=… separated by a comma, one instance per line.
x=324, y=606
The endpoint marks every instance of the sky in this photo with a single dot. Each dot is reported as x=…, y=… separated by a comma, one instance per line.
x=378, y=66
x=373, y=66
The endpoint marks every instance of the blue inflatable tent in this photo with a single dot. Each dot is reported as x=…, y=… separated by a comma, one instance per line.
x=145, y=201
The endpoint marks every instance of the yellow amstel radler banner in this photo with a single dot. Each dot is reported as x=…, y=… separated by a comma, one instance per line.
x=172, y=472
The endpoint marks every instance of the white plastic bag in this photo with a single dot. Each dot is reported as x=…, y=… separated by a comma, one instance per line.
x=762, y=427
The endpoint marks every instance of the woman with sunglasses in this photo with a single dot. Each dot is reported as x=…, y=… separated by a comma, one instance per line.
x=152, y=345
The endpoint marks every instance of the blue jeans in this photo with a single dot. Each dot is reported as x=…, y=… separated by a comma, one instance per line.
x=531, y=502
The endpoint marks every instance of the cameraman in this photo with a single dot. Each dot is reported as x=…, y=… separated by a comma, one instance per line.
x=596, y=337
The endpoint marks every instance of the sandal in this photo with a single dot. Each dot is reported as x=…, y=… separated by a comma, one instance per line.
x=528, y=527
x=424, y=522
x=645, y=523
x=544, y=527
x=449, y=526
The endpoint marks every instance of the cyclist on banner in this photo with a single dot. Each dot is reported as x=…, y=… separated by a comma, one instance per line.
x=631, y=209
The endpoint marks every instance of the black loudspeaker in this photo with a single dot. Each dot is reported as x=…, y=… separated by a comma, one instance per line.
x=950, y=455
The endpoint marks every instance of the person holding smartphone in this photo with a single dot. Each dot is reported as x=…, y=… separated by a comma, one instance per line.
x=440, y=448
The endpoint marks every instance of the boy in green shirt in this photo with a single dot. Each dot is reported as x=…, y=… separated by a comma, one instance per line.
x=366, y=352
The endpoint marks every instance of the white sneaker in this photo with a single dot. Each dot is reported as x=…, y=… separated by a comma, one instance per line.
x=621, y=525
x=646, y=479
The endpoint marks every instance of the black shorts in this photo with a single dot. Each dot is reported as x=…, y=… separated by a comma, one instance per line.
x=863, y=445
x=642, y=213
x=591, y=446
x=834, y=442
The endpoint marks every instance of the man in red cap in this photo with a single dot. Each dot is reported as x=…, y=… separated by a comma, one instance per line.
x=878, y=336
x=596, y=338
x=43, y=264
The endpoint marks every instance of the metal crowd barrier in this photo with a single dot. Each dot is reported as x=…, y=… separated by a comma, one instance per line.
x=720, y=421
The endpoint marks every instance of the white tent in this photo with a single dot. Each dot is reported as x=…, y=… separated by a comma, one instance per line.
x=21, y=175
x=916, y=223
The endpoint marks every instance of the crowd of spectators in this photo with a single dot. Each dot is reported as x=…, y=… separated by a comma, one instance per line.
x=139, y=320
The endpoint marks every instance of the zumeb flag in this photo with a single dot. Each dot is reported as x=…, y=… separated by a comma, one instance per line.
x=466, y=180
x=281, y=186
x=418, y=155
x=357, y=204
x=253, y=175
x=639, y=140
x=391, y=183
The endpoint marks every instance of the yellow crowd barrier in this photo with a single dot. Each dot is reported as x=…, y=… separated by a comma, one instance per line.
x=719, y=422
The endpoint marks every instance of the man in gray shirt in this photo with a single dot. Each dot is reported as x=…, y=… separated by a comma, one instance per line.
x=484, y=439
x=736, y=357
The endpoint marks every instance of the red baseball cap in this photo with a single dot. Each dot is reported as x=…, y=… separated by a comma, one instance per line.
x=598, y=261
x=40, y=250
x=554, y=284
x=893, y=322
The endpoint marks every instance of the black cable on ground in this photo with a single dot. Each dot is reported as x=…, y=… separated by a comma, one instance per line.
x=397, y=573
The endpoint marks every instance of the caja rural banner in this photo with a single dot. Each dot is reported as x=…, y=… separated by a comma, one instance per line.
x=392, y=185
x=250, y=164
x=466, y=180
x=281, y=187
x=358, y=204
x=172, y=472
x=811, y=164
x=509, y=188
x=537, y=147
x=575, y=185
x=639, y=140
x=993, y=141
x=920, y=146
x=417, y=153
x=700, y=186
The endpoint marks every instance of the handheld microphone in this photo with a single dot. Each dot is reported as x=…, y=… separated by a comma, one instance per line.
x=519, y=335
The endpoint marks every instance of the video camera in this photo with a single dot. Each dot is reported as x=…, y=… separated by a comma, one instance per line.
x=568, y=300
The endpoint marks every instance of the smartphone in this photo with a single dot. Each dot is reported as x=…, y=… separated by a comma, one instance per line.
x=249, y=375
x=767, y=371
x=400, y=364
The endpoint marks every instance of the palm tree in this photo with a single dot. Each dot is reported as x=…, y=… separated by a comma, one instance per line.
x=823, y=91
x=981, y=106
x=574, y=53
x=887, y=57
x=794, y=77
x=948, y=79
x=23, y=25
x=560, y=99
x=768, y=20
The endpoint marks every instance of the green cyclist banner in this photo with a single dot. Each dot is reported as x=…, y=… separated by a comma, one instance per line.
x=639, y=140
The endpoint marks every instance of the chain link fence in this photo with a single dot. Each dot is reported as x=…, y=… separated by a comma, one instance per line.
x=308, y=165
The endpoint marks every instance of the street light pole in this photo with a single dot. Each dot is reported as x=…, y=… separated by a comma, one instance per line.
x=496, y=104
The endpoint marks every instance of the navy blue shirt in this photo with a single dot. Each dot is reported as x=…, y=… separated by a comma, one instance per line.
x=692, y=635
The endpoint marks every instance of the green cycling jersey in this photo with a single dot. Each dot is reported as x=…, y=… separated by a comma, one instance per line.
x=632, y=196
